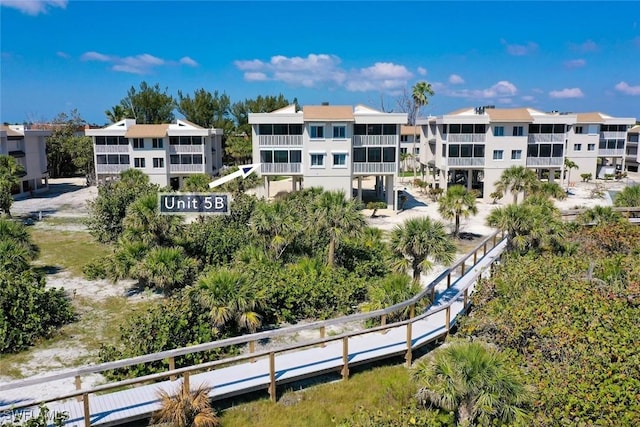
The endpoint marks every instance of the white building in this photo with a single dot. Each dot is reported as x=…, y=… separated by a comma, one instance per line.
x=473, y=146
x=409, y=149
x=329, y=147
x=632, y=158
x=167, y=153
x=28, y=147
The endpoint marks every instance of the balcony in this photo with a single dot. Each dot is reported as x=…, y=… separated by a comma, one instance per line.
x=186, y=149
x=198, y=168
x=465, y=161
x=547, y=137
x=613, y=135
x=280, y=140
x=544, y=161
x=467, y=137
x=111, y=168
x=365, y=140
x=280, y=168
x=611, y=152
x=632, y=153
x=111, y=149
x=369, y=168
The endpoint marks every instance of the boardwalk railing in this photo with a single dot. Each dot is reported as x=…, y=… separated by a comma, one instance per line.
x=470, y=268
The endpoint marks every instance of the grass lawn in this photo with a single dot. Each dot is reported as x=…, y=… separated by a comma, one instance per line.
x=67, y=250
x=327, y=404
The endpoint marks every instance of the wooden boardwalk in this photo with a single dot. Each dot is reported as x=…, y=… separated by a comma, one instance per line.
x=118, y=407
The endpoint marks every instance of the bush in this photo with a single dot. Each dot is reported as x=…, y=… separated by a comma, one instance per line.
x=586, y=177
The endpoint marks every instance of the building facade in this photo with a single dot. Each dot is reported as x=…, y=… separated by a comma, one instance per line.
x=28, y=147
x=632, y=158
x=473, y=146
x=333, y=147
x=167, y=153
x=409, y=147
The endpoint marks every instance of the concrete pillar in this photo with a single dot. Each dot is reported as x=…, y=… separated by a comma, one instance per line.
x=266, y=186
x=360, y=188
x=293, y=184
x=469, y=179
x=389, y=190
x=552, y=175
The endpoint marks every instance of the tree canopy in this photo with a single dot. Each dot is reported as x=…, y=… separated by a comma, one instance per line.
x=149, y=104
x=10, y=173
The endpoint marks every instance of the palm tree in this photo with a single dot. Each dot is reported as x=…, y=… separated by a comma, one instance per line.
x=229, y=297
x=569, y=164
x=143, y=223
x=15, y=231
x=517, y=179
x=550, y=189
x=475, y=381
x=196, y=182
x=629, y=197
x=419, y=241
x=276, y=225
x=10, y=173
x=391, y=290
x=457, y=202
x=599, y=215
x=420, y=92
x=337, y=217
x=166, y=269
x=117, y=113
x=185, y=408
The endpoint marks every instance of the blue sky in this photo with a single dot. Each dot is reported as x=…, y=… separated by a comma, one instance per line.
x=58, y=55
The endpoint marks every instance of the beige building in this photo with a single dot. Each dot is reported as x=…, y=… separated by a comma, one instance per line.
x=28, y=147
x=333, y=147
x=168, y=153
x=473, y=146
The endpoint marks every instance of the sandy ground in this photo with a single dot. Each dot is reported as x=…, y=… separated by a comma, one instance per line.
x=68, y=198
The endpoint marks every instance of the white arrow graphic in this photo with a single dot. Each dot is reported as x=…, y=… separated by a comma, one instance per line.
x=244, y=171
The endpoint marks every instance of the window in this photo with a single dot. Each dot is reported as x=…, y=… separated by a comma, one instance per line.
x=577, y=147
x=374, y=155
x=101, y=140
x=316, y=131
x=479, y=129
x=317, y=160
x=197, y=159
x=403, y=150
x=340, y=160
x=265, y=156
x=516, y=154
x=158, y=143
x=579, y=129
x=174, y=159
x=454, y=150
x=359, y=155
x=545, y=150
x=497, y=154
x=478, y=151
x=416, y=151
x=466, y=150
x=340, y=131
x=389, y=154
x=158, y=162
x=374, y=129
x=557, y=150
x=517, y=131
x=138, y=162
x=138, y=143
x=389, y=129
x=123, y=141
x=404, y=138
x=295, y=156
x=174, y=140
x=280, y=156
x=124, y=159
x=498, y=131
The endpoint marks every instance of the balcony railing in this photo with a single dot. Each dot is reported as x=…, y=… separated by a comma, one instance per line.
x=613, y=135
x=467, y=137
x=280, y=140
x=547, y=137
x=611, y=151
x=632, y=153
x=465, y=161
x=544, y=161
x=186, y=148
x=363, y=168
x=361, y=140
x=280, y=168
x=112, y=168
x=186, y=168
x=111, y=148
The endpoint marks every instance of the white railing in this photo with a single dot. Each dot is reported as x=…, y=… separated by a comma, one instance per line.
x=613, y=135
x=360, y=140
x=465, y=161
x=547, y=137
x=186, y=168
x=278, y=140
x=279, y=168
x=467, y=137
x=611, y=151
x=374, y=168
x=544, y=161
x=112, y=168
x=186, y=148
x=111, y=148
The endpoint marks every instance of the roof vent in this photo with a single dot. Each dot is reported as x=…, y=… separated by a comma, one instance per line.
x=479, y=110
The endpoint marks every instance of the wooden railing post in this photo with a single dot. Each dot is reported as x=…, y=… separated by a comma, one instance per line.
x=272, y=376
x=475, y=257
x=466, y=298
x=78, y=386
x=409, y=356
x=383, y=322
x=462, y=269
x=87, y=414
x=323, y=333
x=412, y=311
x=172, y=366
x=252, y=349
x=494, y=240
x=449, y=280
x=345, y=358
x=186, y=381
x=433, y=294
x=448, y=319
x=484, y=249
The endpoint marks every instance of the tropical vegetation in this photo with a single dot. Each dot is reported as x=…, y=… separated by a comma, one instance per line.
x=10, y=173
x=457, y=202
x=185, y=408
x=517, y=179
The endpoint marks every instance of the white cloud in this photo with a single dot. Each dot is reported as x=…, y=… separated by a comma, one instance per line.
x=138, y=64
x=185, y=60
x=317, y=70
x=62, y=54
x=574, y=92
x=575, y=63
x=455, y=79
x=626, y=89
x=585, y=47
x=501, y=89
x=505, y=100
x=34, y=7
x=528, y=98
x=520, y=49
x=423, y=71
